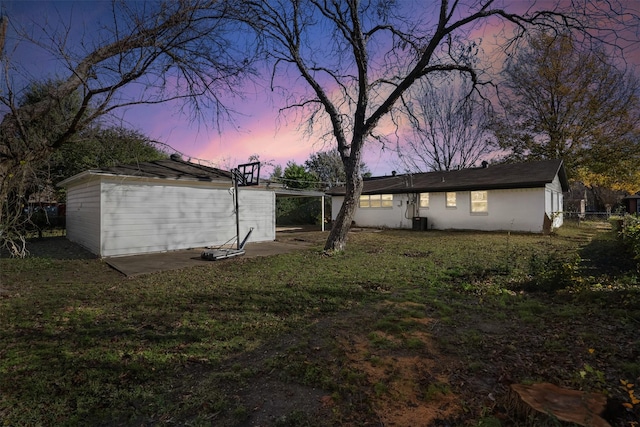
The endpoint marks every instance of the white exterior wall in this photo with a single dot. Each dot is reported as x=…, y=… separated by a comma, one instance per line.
x=257, y=210
x=83, y=215
x=516, y=210
x=398, y=216
x=136, y=216
x=554, y=202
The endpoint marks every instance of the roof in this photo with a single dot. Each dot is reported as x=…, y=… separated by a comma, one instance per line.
x=282, y=191
x=493, y=177
x=173, y=168
x=294, y=192
x=632, y=196
x=170, y=168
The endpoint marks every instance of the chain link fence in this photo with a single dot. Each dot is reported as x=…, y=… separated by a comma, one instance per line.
x=590, y=216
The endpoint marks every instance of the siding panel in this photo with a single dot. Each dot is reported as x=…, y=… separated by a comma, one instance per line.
x=257, y=210
x=83, y=215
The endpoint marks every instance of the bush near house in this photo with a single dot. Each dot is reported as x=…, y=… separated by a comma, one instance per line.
x=631, y=235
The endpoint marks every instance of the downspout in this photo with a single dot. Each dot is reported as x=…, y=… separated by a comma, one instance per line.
x=322, y=216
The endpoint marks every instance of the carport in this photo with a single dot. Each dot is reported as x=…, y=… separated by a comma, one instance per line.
x=282, y=192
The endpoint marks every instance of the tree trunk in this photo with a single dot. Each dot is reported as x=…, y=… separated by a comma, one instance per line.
x=3, y=33
x=337, y=239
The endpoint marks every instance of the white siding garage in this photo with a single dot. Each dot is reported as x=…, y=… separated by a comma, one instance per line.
x=115, y=214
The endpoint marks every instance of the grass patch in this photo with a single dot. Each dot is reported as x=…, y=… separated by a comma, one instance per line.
x=435, y=391
x=80, y=344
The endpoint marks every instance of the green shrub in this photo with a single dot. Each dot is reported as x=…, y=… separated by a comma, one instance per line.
x=631, y=234
x=551, y=271
x=616, y=223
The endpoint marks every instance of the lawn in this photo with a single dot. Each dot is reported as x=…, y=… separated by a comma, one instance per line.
x=404, y=328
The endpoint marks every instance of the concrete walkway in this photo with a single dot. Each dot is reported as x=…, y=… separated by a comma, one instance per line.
x=150, y=263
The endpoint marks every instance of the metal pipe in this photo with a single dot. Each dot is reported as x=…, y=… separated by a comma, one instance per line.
x=235, y=190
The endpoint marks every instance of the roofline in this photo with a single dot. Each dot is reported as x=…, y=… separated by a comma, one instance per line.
x=77, y=177
x=562, y=176
x=297, y=193
x=561, y=173
x=444, y=189
x=100, y=173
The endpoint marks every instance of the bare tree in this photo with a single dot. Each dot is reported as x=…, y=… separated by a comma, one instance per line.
x=358, y=59
x=449, y=127
x=150, y=53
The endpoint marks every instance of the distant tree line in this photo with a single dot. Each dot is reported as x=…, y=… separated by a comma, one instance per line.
x=321, y=171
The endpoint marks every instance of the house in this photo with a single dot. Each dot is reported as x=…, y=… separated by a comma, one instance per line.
x=632, y=203
x=518, y=196
x=161, y=206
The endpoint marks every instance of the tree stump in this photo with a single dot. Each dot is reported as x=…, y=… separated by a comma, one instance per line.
x=574, y=406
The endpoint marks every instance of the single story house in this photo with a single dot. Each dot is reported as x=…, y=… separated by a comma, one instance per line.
x=517, y=196
x=161, y=206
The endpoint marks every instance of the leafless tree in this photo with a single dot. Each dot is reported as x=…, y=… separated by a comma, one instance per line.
x=358, y=58
x=149, y=53
x=449, y=124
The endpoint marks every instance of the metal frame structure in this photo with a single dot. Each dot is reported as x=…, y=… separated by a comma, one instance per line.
x=244, y=175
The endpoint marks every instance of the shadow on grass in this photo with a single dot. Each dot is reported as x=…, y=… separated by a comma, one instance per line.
x=53, y=247
x=607, y=255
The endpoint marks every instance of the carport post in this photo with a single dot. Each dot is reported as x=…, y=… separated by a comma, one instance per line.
x=235, y=191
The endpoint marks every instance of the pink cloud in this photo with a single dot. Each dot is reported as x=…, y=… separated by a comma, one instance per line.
x=276, y=146
x=260, y=133
x=255, y=129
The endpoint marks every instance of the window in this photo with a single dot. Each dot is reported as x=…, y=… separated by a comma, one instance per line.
x=376, y=201
x=479, y=202
x=424, y=200
x=451, y=200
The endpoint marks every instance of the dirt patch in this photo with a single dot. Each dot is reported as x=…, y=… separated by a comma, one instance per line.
x=425, y=373
x=407, y=390
x=373, y=377
x=407, y=376
x=405, y=382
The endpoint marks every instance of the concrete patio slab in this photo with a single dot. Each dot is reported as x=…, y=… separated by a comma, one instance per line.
x=150, y=263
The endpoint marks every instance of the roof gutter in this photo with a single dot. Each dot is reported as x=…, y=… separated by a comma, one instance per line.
x=91, y=173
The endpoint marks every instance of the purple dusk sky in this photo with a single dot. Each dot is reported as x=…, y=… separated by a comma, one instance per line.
x=257, y=129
